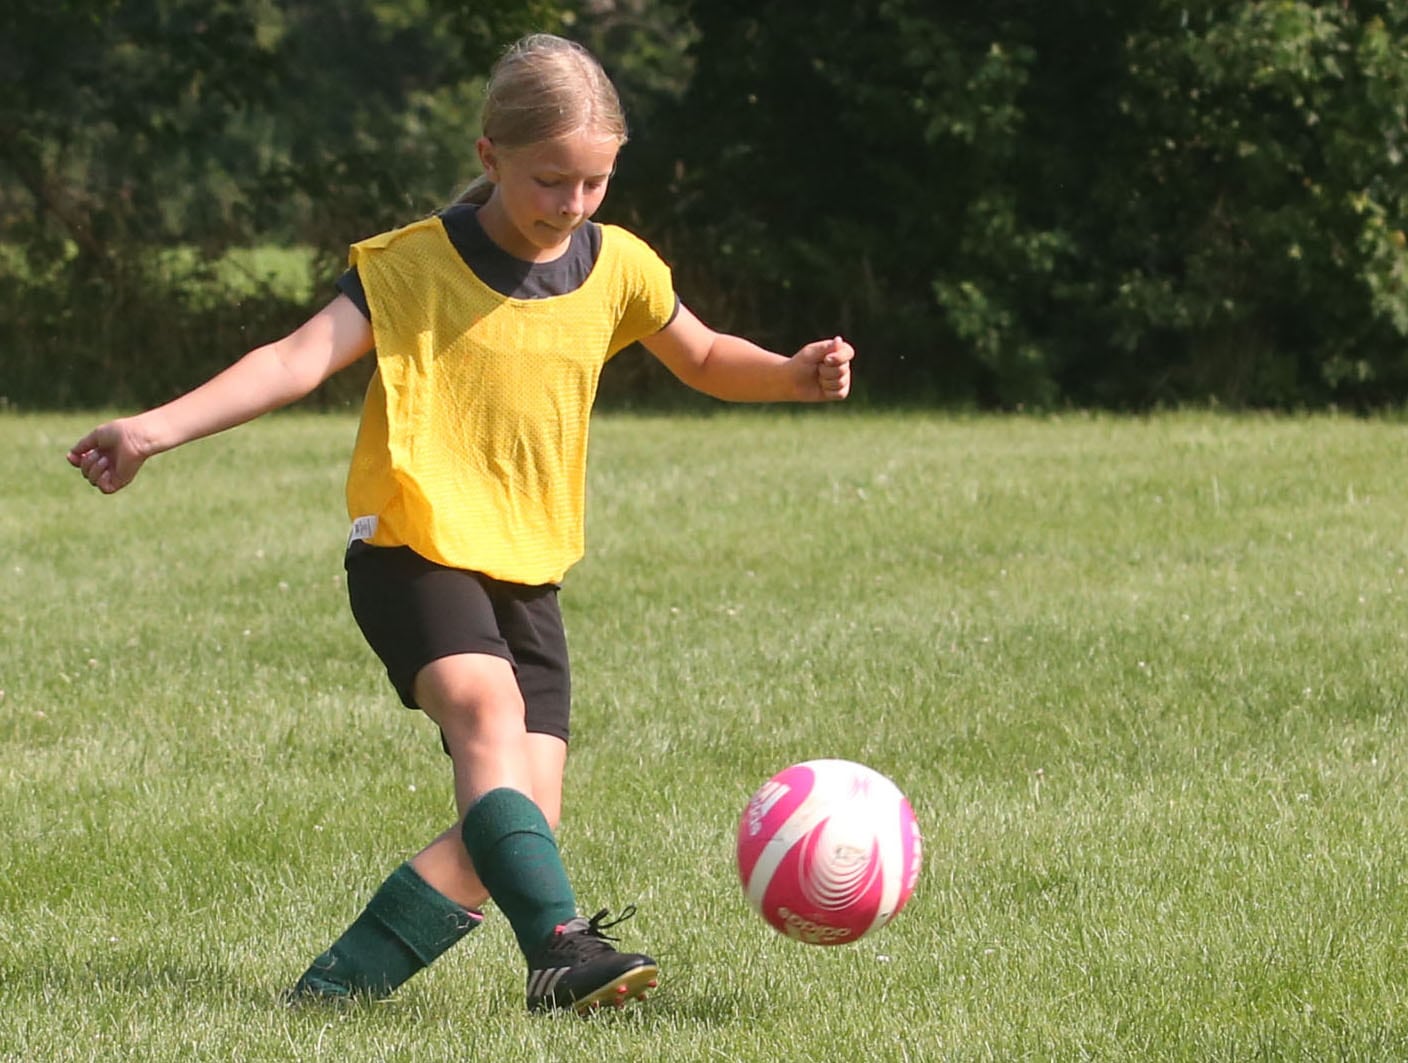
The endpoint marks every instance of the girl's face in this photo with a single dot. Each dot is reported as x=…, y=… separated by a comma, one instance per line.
x=543, y=192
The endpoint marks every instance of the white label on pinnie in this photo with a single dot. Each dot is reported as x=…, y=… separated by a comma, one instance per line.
x=363, y=528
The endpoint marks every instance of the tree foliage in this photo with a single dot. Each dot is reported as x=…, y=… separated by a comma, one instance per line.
x=1002, y=203
x=1085, y=202
x=130, y=122
x=131, y=128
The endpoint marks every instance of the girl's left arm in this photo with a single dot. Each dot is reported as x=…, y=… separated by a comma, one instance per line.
x=737, y=370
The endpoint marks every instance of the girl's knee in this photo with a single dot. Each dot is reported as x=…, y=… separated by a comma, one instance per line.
x=474, y=691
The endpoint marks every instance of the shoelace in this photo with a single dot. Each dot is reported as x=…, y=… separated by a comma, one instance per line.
x=595, y=924
x=590, y=939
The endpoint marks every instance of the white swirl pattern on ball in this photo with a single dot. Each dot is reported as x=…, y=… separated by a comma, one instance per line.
x=837, y=868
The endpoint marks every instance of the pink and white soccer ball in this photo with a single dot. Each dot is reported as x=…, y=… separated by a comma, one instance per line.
x=828, y=851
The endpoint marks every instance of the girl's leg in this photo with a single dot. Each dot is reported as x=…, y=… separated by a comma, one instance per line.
x=446, y=636
x=445, y=863
x=429, y=903
x=476, y=700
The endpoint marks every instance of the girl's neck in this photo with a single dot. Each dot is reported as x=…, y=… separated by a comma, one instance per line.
x=498, y=228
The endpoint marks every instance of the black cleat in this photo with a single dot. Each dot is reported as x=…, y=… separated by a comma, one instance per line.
x=577, y=968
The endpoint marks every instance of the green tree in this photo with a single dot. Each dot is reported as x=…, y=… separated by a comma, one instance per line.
x=106, y=107
x=1002, y=203
x=1267, y=144
x=1113, y=203
x=131, y=129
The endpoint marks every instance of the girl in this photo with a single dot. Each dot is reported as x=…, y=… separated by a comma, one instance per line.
x=491, y=322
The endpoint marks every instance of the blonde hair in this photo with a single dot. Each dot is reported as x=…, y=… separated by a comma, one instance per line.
x=544, y=87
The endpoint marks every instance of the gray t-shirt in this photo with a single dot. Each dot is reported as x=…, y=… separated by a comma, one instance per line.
x=509, y=276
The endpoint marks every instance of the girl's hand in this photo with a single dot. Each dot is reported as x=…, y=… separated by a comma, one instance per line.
x=110, y=455
x=734, y=369
x=825, y=370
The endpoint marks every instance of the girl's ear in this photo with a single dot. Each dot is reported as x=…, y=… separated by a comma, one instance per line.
x=488, y=158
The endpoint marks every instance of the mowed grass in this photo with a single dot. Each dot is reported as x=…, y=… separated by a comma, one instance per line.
x=1143, y=681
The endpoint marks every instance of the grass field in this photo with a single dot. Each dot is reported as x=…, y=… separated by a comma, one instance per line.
x=1143, y=680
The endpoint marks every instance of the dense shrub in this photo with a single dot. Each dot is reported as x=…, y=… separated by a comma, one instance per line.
x=1085, y=202
x=1001, y=203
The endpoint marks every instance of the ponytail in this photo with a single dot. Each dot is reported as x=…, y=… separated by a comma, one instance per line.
x=477, y=192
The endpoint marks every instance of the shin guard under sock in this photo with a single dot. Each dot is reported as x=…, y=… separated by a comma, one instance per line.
x=404, y=927
x=516, y=856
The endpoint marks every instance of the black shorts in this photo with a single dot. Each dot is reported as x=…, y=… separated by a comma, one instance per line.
x=413, y=611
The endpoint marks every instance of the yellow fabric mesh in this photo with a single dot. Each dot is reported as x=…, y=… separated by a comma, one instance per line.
x=473, y=443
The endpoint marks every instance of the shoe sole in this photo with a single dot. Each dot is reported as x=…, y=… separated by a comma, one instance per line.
x=618, y=992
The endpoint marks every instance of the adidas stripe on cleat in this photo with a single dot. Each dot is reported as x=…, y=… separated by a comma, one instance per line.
x=578, y=968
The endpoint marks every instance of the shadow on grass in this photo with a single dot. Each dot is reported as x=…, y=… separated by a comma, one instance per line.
x=101, y=981
x=127, y=976
x=712, y=1006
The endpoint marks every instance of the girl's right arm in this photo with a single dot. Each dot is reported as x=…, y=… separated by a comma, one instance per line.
x=264, y=379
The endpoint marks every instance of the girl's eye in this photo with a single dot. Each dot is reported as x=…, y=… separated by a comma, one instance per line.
x=545, y=183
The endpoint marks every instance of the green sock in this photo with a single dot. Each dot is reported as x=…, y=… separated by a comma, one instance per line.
x=403, y=928
x=516, y=855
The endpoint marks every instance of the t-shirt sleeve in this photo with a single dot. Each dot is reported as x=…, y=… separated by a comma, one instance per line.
x=350, y=285
x=649, y=302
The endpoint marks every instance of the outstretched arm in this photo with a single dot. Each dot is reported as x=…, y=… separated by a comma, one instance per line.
x=736, y=370
x=264, y=379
